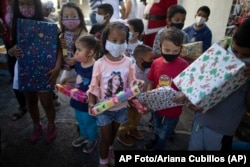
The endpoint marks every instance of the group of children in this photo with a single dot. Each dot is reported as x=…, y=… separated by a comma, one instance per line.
x=113, y=59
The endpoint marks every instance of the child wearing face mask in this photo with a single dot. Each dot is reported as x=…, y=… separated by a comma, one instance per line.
x=114, y=61
x=32, y=9
x=143, y=56
x=86, y=48
x=176, y=16
x=199, y=31
x=135, y=30
x=103, y=14
x=72, y=25
x=170, y=64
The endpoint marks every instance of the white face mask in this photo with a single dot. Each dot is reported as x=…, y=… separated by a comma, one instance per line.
x=116, y=49
x=199, y=20
x=130, y=37
x=99, y=18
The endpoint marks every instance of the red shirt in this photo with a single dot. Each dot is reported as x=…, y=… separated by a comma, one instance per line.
x=172, y=69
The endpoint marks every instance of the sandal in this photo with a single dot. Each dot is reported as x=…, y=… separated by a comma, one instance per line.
x=19, y=114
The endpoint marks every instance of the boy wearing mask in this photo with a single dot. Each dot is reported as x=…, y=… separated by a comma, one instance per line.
x=176, y=16
x=199, y=31
x=143, y=59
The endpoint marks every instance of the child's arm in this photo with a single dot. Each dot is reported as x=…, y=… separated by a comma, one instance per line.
x=56, y=70
x=150, y=86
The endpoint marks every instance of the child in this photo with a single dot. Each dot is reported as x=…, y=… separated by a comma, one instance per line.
x=143, y=57
x=215, y=129
x=169, y=64
x=86, y=48
x=199, y=31
x=114, y=42
x=175, y=18
x=32, y=9
x=71, y=20
x=103, y=14
x=135, y=30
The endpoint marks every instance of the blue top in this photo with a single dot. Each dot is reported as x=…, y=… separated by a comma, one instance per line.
x=204, y=34
x=83, y=80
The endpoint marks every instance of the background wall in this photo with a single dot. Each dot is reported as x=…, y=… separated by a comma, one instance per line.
x=217, y=22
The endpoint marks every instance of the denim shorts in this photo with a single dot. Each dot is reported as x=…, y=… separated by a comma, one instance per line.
x=119, y=116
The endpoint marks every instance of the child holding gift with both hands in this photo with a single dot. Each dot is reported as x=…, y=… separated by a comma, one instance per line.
x=169, y=64
x=86, y=49
x=32, y=9
x=114, y=43
x=72, y=25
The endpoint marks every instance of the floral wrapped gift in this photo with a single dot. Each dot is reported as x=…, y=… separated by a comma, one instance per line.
x=159, y=98
x=73, y=92
x=211, y=77
x=121, y=97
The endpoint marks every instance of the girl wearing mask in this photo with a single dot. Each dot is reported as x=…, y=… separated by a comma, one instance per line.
x=32, y=9
x=72, y=25
x=114, y=42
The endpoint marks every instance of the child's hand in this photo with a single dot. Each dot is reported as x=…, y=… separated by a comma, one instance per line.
x=63, y=43
x=91, y=105
x=138, y=82
x=15, y=51
x=194, y=108
x=53, y=76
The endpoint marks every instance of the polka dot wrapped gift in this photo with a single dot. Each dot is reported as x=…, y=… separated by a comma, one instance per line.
x=211, y=77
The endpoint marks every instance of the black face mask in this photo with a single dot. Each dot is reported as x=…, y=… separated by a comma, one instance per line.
x=146, y=64
x=169, y=57
x=177, y=25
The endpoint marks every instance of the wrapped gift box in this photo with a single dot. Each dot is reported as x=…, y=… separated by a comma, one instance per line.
x=38, y=40
x=159, y=98
x=117, y=99
x=73, y=92
x=68, y=53
x=192, y=50
x=211, y=77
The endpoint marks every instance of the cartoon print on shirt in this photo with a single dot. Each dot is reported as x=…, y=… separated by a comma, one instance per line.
x=115, y=84
x=81, y=80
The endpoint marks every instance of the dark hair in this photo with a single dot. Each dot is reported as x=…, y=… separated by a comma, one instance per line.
x=89, y=41
x=204, y=9
x=174, y=35
x=172, y=10
x=107, y=8
x=108, y=28
x=141, y=50
x=16, y=14
x=137, y=24
x=79, y=11
x=242, y=34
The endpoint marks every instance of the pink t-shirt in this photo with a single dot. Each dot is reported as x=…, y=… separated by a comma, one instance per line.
x=110, y=77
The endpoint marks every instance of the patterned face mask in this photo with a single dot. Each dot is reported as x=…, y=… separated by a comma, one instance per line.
x=115, y=49
x=27, y=12
x=71, y=24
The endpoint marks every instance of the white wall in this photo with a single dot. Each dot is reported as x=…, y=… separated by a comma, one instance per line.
x=217, y=22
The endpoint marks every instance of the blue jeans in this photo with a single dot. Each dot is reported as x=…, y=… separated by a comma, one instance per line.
x=87, y=125
x=163, y=128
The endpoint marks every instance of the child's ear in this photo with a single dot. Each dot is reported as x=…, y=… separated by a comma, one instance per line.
x=91, y=53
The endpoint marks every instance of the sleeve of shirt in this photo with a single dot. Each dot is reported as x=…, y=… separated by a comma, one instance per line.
x=156, y=45
x=207, y=40
x=94, y=87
